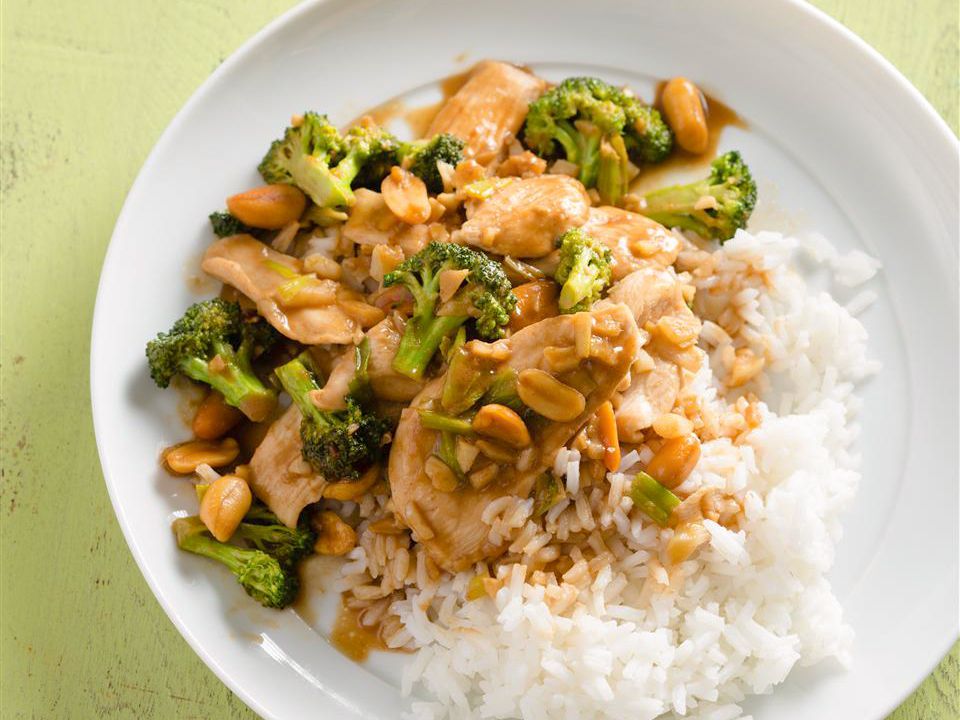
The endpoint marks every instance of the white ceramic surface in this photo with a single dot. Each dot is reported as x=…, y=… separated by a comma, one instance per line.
x=838, y=140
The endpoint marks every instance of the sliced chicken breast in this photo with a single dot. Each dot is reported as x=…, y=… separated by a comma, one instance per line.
x=450, y=524
x=489, y=109
x=312, y=315
x=524, y=217
x=635, y=241
x=280, y=476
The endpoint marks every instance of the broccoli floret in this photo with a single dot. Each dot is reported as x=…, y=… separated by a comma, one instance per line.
x=648, y=137
x=484, y=295
x=263, y=577
x=598, y=127
x=224, y=225
x=213, y=344
x=339, y=444
x=584, y=270
x=425, y=154
x=264, y=531
x=715, y=207
x=320, y=161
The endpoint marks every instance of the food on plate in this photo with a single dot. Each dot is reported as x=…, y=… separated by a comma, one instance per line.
x=580, y=447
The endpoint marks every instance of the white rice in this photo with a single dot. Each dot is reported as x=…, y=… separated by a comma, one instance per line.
x=620, y=635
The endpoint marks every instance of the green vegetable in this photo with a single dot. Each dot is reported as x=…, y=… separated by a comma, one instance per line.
x=339, y=444
x=689, y=207
x=485, y=295
x=425, y=154
x=315, y=157
x=584, y=271
x=445, y=423
x=599, y=128
x=549, y=491
x=653, y=498
x=287, y=545
x=224, y=225
x=216, y=329
x=264, y=578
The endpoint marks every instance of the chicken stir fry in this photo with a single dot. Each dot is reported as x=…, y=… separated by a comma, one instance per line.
x=423, y=325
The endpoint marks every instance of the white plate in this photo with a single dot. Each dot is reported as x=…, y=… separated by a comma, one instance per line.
x=838, y=138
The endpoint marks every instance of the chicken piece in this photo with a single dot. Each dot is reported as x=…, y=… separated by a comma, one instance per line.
x=312, y=316
x=450, y=524
x=488, y=109
x=280, y=476
x=523, y=218
x=653, y=296
x=650, y=395
x=387, y=383
x=634, y=240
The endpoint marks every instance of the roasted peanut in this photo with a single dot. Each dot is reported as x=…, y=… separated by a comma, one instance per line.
x=686, y=539
x=183, y=459
x=224, y=504
x=269, y=207
x=351, y=490
x=214, y=417
x=685, y=113
x=334, y=536
x=406, y=196
x=546, y=395
x=561, y=359
x=536, y=301
x=671, y=425
x=501, y=423
x=495, y=451
x=675, y=460
x=441, y=476
x=479, y=479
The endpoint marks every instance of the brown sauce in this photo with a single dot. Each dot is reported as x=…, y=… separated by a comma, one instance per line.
x=353, y=639
x=418, y=119
x=719, y=116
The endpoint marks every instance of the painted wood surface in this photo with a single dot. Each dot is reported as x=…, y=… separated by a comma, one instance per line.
x=87, y=88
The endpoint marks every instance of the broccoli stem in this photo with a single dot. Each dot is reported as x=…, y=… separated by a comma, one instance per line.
x=447, y=451
x=653, y=498
x=445, y=423
x=193, y=538
x=236, y=381
x=298, y=380
x=579, y=284
x=612, y=177
x=419, y=346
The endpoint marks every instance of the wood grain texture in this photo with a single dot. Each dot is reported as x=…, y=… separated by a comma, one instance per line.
x=87, y=88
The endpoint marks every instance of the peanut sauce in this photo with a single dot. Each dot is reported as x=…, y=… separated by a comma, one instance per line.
x=353, y=639
x=719, y=116
x=418, y=119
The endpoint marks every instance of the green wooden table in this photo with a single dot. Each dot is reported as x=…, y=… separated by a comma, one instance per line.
x=87, y=88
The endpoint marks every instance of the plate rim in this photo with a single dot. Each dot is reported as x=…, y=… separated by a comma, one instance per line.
x=827, y=25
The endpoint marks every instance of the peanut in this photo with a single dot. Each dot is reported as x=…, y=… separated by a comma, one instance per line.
x=184, y=458
x=440, y=474
x=406, y=196
x=269, y=207
x=334, y=536
x=546, y=395
x=214, y=417
x=675, y=460
x=686, y=115
x=224, y=504
x=351, y=490
x=501, y=423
